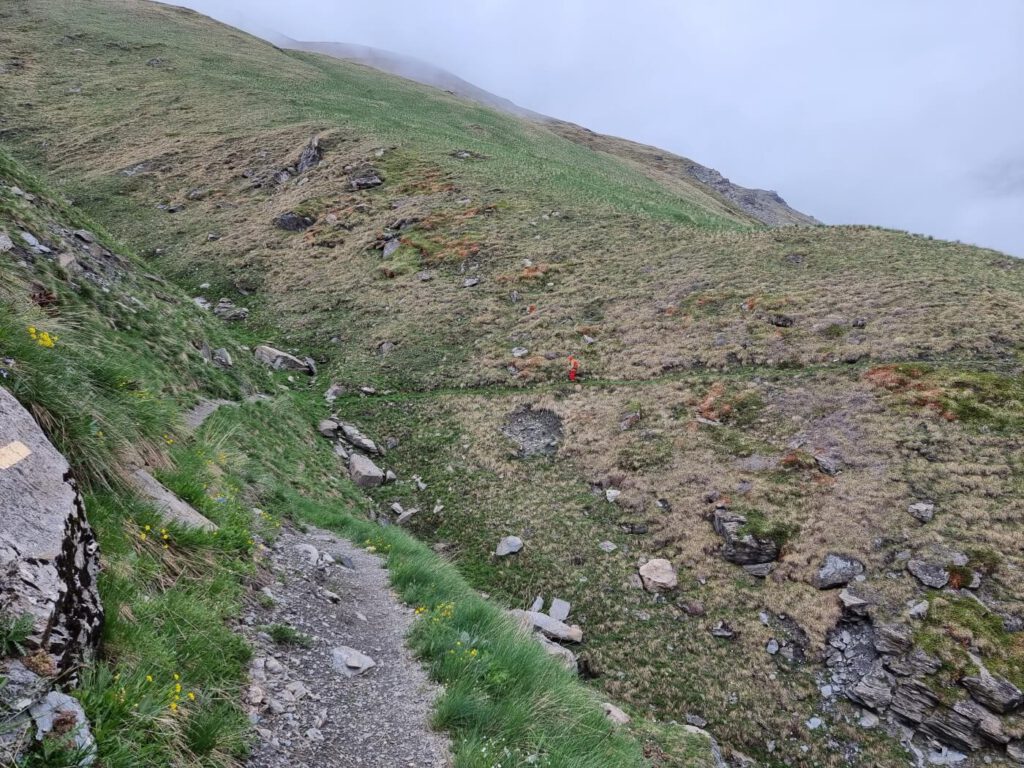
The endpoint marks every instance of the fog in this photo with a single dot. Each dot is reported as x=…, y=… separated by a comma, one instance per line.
x=906, y=115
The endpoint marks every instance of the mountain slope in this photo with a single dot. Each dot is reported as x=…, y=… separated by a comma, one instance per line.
x=745, y=396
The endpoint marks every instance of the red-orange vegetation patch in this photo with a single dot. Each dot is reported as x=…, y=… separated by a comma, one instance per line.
x=912, y=382
x=712, y=407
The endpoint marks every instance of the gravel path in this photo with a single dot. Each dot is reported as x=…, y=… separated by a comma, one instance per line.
x=313, y=706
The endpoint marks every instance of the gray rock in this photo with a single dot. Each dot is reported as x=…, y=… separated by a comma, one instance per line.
x=358, y=439
x=607, y=546
x=837, y=570
x=508, y=546
x=350, y=662
x=311, y=155
x=868, y=720
x=549, y=627
x=996, y=693
x=874, y=690
x=696, y=720
x=226, y=310
x=391, y=246
x=913, y=701
x=952, y=728
x=520, y=352
x=469, y=282
x=919, y=610
x=760, y=570
x=922, y=510
x=538, y=604
x=930, y=574
x=292, y=222
x=815, y=723
x=988, y=724
x=559, y=609
x=6, y=244
x=365, y=179
x=742, y=548
x=563, y=655
x=1015, y=751
x=328, y=428
x=170, y=507
x=49, y=557
x=772, y=646
x=364, y=472
x=280, y=361
x=61, y=714
x=658, y=575
x=893, y=638
x=222, y=358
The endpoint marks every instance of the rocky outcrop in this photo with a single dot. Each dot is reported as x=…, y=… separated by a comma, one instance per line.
x=49, y=557
x=879, y=668
x=282, y=361
x=740, y=546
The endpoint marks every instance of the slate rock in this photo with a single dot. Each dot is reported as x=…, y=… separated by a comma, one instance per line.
x=61, y=715
x=549, y=627
x=614, y=714
x=168, y=505
x=354, y=435
x=930, y=574
x=995, y=692
x=559, y=609
x=837, y=570
x=311, y=155
x=739, y=547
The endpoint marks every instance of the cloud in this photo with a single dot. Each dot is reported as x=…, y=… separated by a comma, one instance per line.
x=869, y=112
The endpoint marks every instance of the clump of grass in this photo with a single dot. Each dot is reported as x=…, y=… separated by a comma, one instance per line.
x=646, y=453
x=14, y=631
x=282, y=634
x=760, y=526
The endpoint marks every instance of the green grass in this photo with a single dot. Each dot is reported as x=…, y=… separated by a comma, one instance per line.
x=14, y=631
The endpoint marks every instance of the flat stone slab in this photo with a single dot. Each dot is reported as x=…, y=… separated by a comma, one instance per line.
x=171, y=508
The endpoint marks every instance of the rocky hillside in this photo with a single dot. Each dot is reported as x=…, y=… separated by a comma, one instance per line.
x=762, y=481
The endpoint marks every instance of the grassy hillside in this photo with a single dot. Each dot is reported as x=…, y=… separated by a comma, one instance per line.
x=817, y=379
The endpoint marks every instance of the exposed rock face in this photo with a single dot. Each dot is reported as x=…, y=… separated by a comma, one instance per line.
x=996, y=693
x=282, y=361
x=658, y=576
x=742, y=548
x=49, y=558
x=837, y=571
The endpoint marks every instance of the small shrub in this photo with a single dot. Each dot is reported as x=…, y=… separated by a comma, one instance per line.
x=282, y=634
x=14, y=631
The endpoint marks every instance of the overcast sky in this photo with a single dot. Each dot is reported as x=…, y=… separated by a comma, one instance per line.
x=905, y=114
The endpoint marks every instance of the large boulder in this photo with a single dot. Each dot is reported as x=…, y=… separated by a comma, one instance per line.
x=49, y=558
x=282, y=361
x=364, y=472
x=740, y=546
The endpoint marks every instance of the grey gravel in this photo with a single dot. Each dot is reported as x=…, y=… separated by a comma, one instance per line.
x=305, y=710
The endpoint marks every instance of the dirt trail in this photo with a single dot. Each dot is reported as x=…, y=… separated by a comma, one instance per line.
x=312, y=705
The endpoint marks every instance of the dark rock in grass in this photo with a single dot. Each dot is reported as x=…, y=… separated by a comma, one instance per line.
x=49, y=557
x=930, y=574
x=781, y=321
x=508, y=546
x=740, y=547
x=367, y=178
x=952, y=728
x=893, y=638
x=292, y=222
x=913, y=701
x=837, y=570
x=874, y=690
x=311, y=155
x=996, y=693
